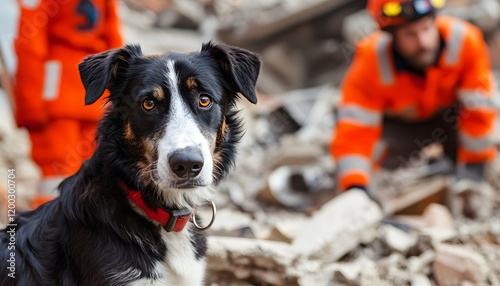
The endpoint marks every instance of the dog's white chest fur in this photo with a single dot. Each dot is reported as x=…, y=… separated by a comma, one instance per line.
x=180, y=266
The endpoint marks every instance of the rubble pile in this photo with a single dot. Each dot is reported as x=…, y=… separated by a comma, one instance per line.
x=15, y=155
x=348, y=242
x=280, y=221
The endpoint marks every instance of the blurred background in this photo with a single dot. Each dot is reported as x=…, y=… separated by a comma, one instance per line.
x=264, y=233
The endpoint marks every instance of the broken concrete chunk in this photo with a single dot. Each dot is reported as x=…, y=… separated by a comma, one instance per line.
x=362, y=271
x=228, y=220
x=251, y=260
x=337, y=227
x=418, y=265
x=436, y=222
x=456, y=264
x=262, y=252
x=397, y=239
x=437, y=215
x=421, y=280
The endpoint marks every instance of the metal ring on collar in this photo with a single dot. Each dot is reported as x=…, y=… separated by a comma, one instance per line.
x=214, y=213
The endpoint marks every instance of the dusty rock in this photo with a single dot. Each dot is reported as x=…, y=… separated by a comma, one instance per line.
x=15, y=154
x=362, y=271
x=456, y=264
x=286, y=229
x=421, y=280
x=251, y=259
x=406, y=187
x=397, y=239
x=392, y=268
x=436, y=215
x=439, y=223
x=228, y=219
x=337, y=227
x=418, y=265
x=436, y=222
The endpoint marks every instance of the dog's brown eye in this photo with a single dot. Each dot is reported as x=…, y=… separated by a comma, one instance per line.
x=205, y=101
x=148, y=104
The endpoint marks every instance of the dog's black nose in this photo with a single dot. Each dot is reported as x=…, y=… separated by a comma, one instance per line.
x=186, y=163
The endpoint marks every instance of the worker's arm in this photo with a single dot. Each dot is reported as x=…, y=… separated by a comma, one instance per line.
x=358, y=128
x=477, y=115
x=112, y=26
x=31, y=47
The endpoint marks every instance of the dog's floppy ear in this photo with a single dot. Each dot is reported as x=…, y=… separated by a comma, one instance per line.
x=239, y=66
x=101, y=71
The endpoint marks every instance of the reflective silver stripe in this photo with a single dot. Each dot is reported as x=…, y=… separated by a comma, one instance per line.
x=51, y=80
x=473, y=99
x=352, y=163
x=477, y=144
x=454, y=43
x=384, y=65
x=30, y=4
x=359, y=114
x=379, y=150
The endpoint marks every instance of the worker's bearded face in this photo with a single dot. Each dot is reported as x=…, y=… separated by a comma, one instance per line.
x=418, y=42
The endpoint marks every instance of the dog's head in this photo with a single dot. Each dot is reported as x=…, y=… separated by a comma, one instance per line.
x=170, y=129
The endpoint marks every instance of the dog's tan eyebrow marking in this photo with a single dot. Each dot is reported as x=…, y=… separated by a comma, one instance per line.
x=191, y=82
x=158, y=93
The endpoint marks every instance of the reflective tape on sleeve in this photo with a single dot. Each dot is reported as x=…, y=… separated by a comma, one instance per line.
x=384, y=64
x=454, y=43
x=51, y=80
x=360, y=115
x=475, y=99
x=476, y=144
x=353, y=163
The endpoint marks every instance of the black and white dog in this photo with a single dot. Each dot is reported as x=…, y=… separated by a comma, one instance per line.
x=169, y=132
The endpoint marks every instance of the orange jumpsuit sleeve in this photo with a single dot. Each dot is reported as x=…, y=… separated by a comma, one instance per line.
x=31, y=47
x=112, y=23
x=359, y=120
x=477, y=115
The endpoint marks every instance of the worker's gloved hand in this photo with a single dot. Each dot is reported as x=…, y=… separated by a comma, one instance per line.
x=470, y=198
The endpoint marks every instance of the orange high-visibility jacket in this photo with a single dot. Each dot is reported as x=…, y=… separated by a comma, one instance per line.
x=372, y=88
x=53, y=38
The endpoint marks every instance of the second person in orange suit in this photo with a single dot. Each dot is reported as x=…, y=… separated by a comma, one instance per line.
x=53, y=37
x=420, y=79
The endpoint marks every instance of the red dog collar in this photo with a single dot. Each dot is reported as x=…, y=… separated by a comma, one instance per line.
x=171, y=220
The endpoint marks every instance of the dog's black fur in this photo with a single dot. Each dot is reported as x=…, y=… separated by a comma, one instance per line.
x=90, y=234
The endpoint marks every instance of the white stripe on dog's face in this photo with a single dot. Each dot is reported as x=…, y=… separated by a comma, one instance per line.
x=181, y=131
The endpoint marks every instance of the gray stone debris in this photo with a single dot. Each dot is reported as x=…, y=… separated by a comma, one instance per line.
x=336, y=228
x=397, y=239
x=15, y=152
x=456, y=264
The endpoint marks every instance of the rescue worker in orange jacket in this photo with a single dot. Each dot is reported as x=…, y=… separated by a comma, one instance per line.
x=54, y=36
x=420, y=79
